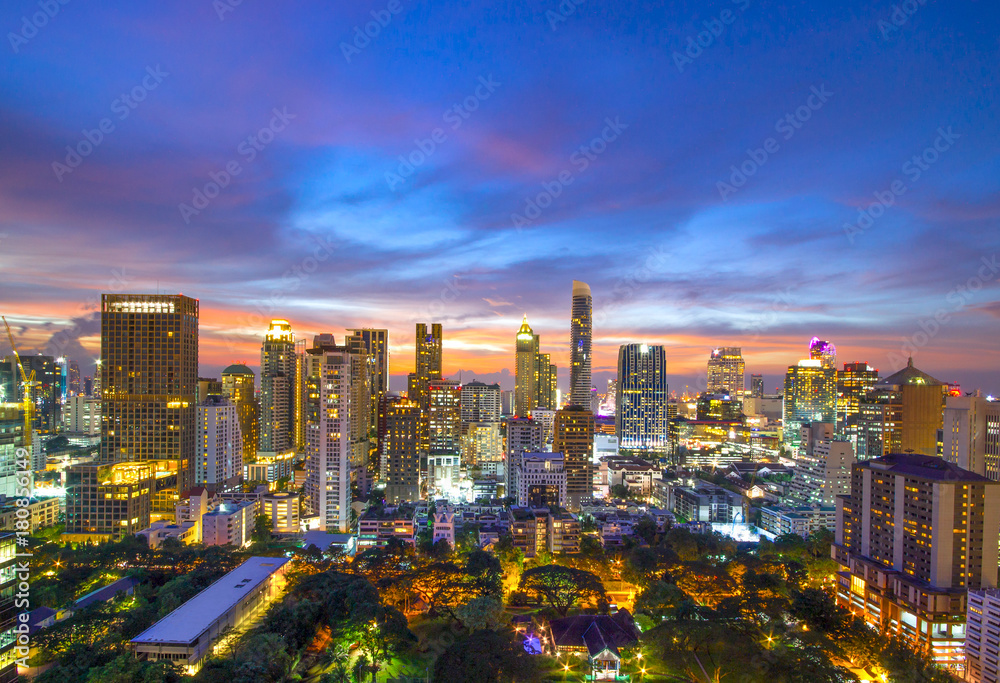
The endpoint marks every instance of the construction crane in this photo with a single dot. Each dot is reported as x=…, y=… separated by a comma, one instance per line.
x=28, y=385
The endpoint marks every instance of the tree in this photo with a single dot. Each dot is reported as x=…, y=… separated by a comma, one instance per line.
x=486, y=657
x=660, y=599
x=620, y=491
x=127, y=669
x=485, y=573
x=262, y=527
x=480, y=613
x=590, y=546
x=562, y=587
x=645, y=529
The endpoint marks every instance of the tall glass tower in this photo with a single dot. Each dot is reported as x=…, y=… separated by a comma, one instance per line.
x=641, y=400
x=580, y=335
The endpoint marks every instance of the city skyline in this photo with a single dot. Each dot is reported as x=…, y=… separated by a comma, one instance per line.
x=316, y=228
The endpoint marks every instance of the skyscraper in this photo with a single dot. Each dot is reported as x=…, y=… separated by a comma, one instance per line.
x=278, y=400
x=823, y=351
x=525, y=370
x=444, y=417
x=219, y=452
x=641, y=400
x=580, y=338
x=331, y=423
x=149, y=375
x=914, y=534
x=574, y=438
x=429, y=359
x=757, y=386
x=725, y=371
x=972, y=434
x=854, y=383
x=238, y=387
x=47, y=393
x=400, y=429
x=902, y=414
x=480, y=402
x=810, y=396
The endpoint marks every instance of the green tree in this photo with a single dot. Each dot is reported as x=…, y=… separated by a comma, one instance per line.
x=562, y=587
x=262, y=527
x=480, y=613
x=645, y=529
x=126, y=668
x=486, y=657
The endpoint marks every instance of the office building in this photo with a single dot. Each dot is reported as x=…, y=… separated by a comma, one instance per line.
x=580, y=338
x=804, y=520
x=443, y=474
x=854, y=383
x=399, y=443
x=238, y=385
x=810, y=396
x=149, y=379
x=822, y=471
x=278, y=400
x=725, y=371
x=541, y=480
x=429, y=362
x=373, y=346
x=47, y=394
x=971, y=434
x=480, y=402
x=524, y=435
x=641, y=399
x=574, y=438
x=526, y=353
x=902, y=414
x=11, y=439
x=230, y=523
x=108, y=501
x=481, y=442
x=219, y=451
x=757, y=386
x=823, y=351
x=913, y=535
x=444, y=416
x=8, y=613
x=719, y=407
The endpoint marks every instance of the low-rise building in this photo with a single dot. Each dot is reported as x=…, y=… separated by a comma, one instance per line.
x=541, y=480
x=186, y=635
x=444, y=528
x=375, y=527
x=563, y=533
x=158, y=532
x=41, y=512
x=598, y=638
x=703, y=503
x=282, y=508
x=802, y=521
x=231, y=523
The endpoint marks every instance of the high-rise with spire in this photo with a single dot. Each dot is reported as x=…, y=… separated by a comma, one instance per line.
x=525, y=359
x=580, y=337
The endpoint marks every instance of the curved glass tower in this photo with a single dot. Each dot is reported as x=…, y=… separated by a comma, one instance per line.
x=580, y=334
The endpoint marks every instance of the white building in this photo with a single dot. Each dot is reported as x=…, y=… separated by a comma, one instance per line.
x=219, y=445
x=971, y=434
x=283, y=510
x=823, y=473
x=481, y=442
x=801, y=521
x=443, y=470
x=82, y=415
x=982, y=636
x=329, y=379
x=480, y=402
x=231, y=523
x=546, y=418
x=541, y=476
x=444, y=527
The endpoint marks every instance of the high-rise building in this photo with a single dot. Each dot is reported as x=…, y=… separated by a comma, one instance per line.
x=902, y=414
x=429, y=360
x=481, y=442
x=399, y=445
x=11, y=439
x=149, y=377
x=219, y=454
x=982, y=636
x=480, y=402
x=73, y=386
x=546, y=382
x=541, y=480
x=810, y=396
x=525, y=358
x=854, y=383
x=47, y=392
x=8, y=612
x=444, y=416
x=757, y=386
x=913, y=535
x=331, y=419
x=580, y=339
x=641, y=399
x=278, y=379
x=971, y=434
x=374, y=346
x=238, y=387
x=574, y=438
x=725, y=371
x=823, y=351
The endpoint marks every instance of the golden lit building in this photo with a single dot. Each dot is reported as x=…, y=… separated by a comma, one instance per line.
x=726, y=369
x=573, y=436
x=902, y=414
x=279, y=374
x=238, y=387
x=399, y=445
x=534, y=374
x=810, y=396
x=913, y=535
x=108, y=501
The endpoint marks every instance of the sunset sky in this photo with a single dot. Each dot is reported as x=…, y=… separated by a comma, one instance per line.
x=397, y=177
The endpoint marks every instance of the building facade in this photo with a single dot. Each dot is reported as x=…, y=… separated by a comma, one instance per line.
x=574, y=438
x=641, y=398
x=238, y=385
x=219, y=453
x=971, y=434
x=810, y=396
x=580, y=339
x=726, y=370
x=399, y=443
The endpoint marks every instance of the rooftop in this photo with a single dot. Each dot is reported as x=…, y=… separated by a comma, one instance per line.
x=191, y=619
x=909, y=375
x=923, y=466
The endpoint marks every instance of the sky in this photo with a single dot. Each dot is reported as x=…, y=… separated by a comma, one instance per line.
x=724, y=173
